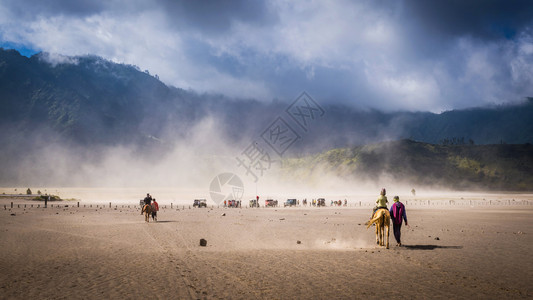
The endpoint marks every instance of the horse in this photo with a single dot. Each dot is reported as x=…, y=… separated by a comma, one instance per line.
x=147, y=209
x=382, y=219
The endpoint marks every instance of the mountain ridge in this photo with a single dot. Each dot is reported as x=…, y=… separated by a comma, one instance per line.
x=88, y=104
x=500, y=167
x=88, y=95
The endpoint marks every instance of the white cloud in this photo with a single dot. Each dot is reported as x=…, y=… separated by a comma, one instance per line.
x=56, y=59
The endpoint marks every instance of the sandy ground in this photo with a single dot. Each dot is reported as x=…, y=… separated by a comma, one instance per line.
x=100, y=253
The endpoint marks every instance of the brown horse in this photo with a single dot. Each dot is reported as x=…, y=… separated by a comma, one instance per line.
x=147, y=210
x=382, y=219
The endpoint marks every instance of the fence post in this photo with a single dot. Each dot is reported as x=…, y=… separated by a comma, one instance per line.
x=11, y=204
x=109, y=204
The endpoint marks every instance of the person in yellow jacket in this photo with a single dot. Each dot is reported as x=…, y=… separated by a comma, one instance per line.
x=381, y=202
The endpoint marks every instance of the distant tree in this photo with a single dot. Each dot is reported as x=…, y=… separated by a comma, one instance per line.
x=453, y=141
x=38, y=192
x=28, y=191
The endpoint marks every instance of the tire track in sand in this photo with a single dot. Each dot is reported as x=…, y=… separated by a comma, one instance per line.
x=153, y=233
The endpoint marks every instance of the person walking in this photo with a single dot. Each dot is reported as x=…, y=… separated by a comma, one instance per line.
x=398, y=215
x=155, y=209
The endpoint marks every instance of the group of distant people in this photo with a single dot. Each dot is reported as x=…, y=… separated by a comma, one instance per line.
x=397, y=213
x=339, y=203
x=232, y=203
x=148, y=200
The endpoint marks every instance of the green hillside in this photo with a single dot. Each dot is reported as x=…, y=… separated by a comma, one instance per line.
x=492, y=167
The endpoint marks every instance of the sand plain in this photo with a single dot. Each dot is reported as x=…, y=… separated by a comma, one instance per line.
x=459, y=252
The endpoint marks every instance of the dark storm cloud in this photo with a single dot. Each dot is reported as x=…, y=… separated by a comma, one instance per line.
x=212, y=16
x=484, y=19
x=38, y=8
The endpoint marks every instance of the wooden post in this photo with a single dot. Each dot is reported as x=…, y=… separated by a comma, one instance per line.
x=170, y=205
x=78, y=204
x=109, y=204
x=11, y=204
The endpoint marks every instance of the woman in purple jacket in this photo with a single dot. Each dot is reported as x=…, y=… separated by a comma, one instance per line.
x=397, y=214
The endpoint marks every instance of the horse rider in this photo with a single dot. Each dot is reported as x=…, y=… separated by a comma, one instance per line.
x=381, y=202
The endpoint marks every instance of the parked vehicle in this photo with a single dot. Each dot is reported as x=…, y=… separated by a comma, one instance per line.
x=200, y=203
x=271, y=203
x=290, y=202
x=321, y=202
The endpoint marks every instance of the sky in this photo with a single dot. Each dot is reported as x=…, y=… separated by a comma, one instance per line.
x=386, y=55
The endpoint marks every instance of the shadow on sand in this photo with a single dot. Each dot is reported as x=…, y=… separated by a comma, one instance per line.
x=162, y=221
x=430, y=247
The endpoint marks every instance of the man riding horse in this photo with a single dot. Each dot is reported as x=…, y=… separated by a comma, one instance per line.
x=381, y=217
